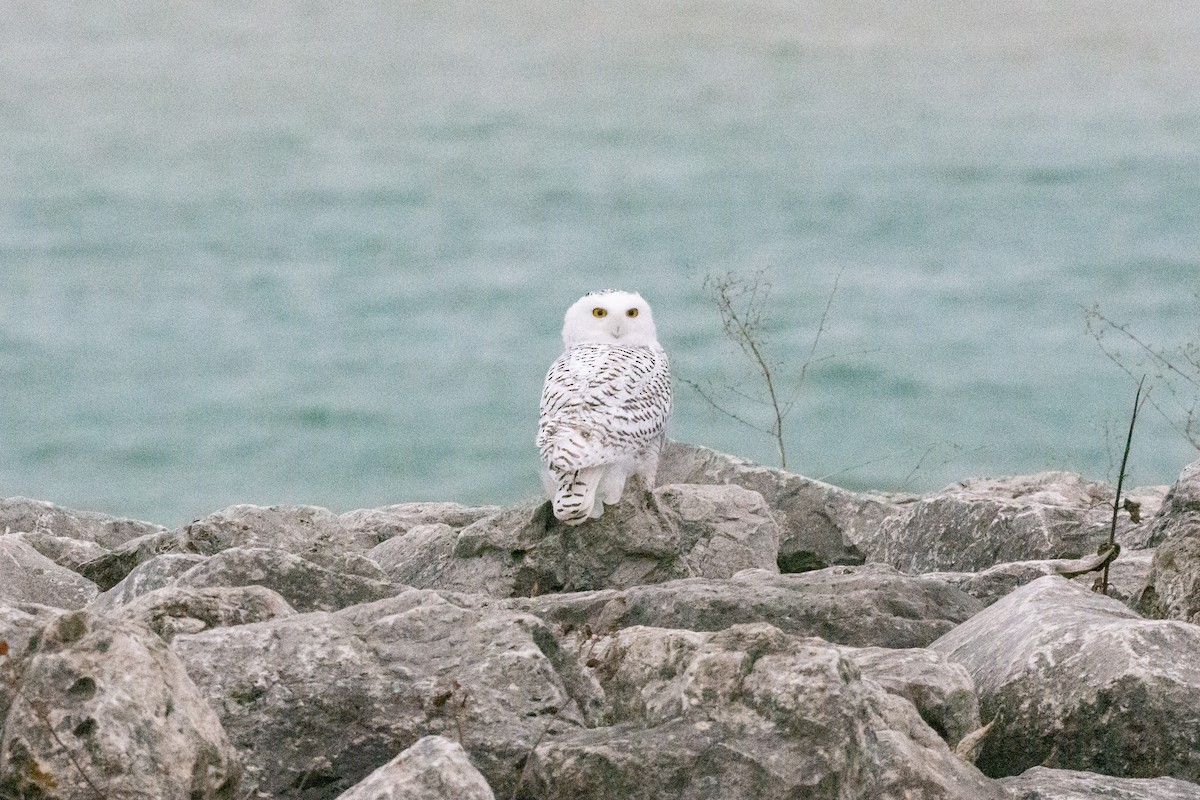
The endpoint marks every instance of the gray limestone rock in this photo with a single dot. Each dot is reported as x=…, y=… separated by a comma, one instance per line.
x=1174, y=585
x=176, y=609
x=103, y=708
x=941, y=691
x=1127, y=578
x=378, y=525
x=154, y=574
x=62, y=550
x=22, y=515
x=871, y=605
x=982, y=522
x=434, y=768
x=747, y=712
x=305, y=585
x=820, y=524
x=27, y=576
x=1040, y=783
x=316, y=701
x=311, y=532
x=1078, y=681
x=674, y=532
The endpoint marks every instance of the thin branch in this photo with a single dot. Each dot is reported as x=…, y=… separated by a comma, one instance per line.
x=1112, y=532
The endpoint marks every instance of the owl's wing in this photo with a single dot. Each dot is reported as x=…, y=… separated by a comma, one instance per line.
x=601, y=403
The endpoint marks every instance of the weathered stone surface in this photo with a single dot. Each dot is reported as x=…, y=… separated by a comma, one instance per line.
x=1174, y=585
x=18, y=628
x=146, y=577
x=317, y=701
x=746, y=712
x=1128, y=576
x=676, y=531
x=103, y=708
x=27, y=576
x=377, y=525
x=22, y=515
x=1081, y=682
x=1040, y=783
x=434, y=768
x=820, y=524
x=871, y=605
x=982, y=522
x=311, y=532
x=175, y=609
x=941, y=691
x=1179, y=514
x=62, y=550
x=303, y=584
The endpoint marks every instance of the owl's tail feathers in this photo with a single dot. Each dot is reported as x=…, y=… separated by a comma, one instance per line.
x=575, y=500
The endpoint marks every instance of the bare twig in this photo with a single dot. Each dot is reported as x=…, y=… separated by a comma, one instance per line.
x=528, y=758
x=1112, y=531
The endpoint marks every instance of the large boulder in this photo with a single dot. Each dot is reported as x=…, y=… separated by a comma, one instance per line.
x=22, y=515
x=103, y=708
x=674, y=532
x=746, y=712
x=1075, y=680
x=981, y=522
x=820, y=524
x=175, y=609
x=434, y=768
x=62, y=550
x=315, y=702
x=1174, y=585
x=305, y=585
x=27, y=576
x=154, y=574
x=871, y=605
x=311, y=532
x=1041, y=783
x=377, y=525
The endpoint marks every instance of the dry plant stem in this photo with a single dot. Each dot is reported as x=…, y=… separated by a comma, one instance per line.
x=45, y=718
x=1112, y=531
x=742, y=331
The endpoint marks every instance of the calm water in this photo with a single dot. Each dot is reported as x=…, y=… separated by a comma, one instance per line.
x=319, y=252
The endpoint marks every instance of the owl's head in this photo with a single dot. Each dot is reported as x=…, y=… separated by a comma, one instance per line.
x=609, y=317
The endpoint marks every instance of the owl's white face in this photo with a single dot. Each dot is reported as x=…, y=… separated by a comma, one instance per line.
x=609, y=318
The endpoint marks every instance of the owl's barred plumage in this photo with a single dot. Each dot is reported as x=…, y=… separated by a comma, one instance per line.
x=605, y=405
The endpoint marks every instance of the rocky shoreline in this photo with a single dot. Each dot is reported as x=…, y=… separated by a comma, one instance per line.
x=738, y=632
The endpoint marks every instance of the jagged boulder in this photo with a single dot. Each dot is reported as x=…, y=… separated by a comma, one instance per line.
x=820, y=524
x=746, y=712
x=154, y=574
x=1040, y=783
x=317, y=701
x=981, y=522
x=871, y=605
x=1127, y=577
x=62, y=550
x=305, y=585
x=377, y=525
x=676, y=531
x=27, y=576
x=1174, y=584
x=23, y=515
x=1077, y=681
x=311, y=532
x=941, y=691
x=434, y=768
x=103, y=708
x=175, y=609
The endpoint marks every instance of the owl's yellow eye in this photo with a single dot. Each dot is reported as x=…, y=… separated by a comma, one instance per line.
x=631, y=312
x=599, y=312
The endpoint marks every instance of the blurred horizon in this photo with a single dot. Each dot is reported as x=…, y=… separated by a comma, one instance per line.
x=320, y=253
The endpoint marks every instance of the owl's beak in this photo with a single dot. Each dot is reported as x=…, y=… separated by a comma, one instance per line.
x=617, y=331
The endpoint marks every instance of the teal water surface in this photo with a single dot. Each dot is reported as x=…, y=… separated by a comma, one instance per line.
x=319, y=252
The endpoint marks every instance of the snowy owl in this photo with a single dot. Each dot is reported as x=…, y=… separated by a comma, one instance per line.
x=604, y=406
